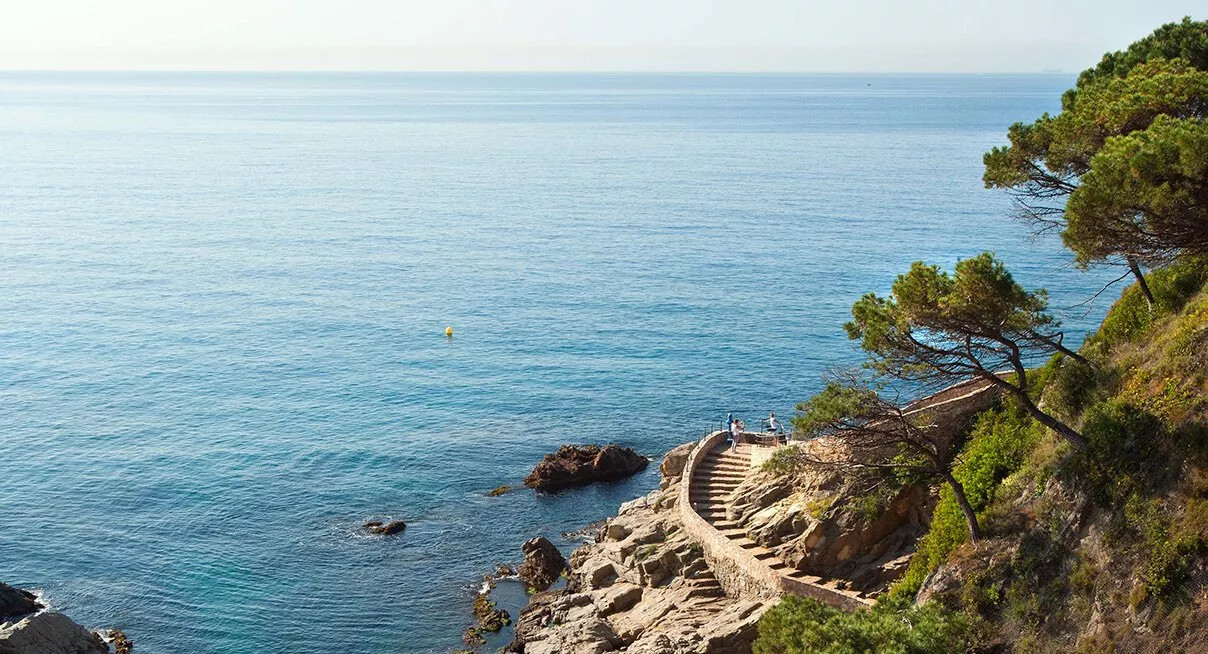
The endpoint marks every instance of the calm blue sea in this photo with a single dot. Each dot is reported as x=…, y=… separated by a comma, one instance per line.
x=223, y=298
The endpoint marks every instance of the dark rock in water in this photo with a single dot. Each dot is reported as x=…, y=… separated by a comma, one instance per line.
x=385, y=528
x=15, y=602
x=121, y=644
x=504, y=570
x=576, y=466
x=499, y=491
x=543, y=564
x=489, y=616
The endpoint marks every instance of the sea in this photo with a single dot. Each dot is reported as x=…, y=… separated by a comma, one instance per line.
x=223, y=304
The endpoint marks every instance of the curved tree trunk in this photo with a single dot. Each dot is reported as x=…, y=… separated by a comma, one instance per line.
x=1067, y=432
x=1141, y=283
x=958, y=491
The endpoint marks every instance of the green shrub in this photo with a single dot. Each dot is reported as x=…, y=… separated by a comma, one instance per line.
x=1122, y=454
x=1172, y=286
x=1072, y=387
x=997, y=446
x=1167, y=552
x=804, y=626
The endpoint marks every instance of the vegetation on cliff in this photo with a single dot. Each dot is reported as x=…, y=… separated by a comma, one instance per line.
x=1089, y=481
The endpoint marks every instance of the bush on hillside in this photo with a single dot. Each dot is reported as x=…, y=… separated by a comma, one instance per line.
x=1172, y=286
x=997, y=446
x=804, y=626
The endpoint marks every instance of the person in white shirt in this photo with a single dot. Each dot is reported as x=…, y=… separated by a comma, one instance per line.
x=773, y=423
x=734, y=430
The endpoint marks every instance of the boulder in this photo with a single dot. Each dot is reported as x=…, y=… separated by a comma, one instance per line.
x=543, y=564
x=385, y=528
x=576, y=466
x=672, y=467
x=15, y=602
x=49, y=633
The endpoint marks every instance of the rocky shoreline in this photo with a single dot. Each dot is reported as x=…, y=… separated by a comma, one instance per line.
x=28, y=626
x=642, y=586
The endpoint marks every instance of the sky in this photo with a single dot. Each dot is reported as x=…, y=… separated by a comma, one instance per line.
x=588, y=35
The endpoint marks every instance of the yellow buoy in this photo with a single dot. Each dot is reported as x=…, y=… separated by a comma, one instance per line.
x=449, y=332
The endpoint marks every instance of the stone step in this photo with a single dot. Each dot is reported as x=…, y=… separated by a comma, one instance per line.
x=710, y=490
x=731, y=477
x=738, y=458
x=714, y=485
x=730, y=460
x=723, y=469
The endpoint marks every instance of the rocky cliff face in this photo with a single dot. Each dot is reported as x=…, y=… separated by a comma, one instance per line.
x=642, y=587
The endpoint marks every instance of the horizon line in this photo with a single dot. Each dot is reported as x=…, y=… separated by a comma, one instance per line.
x=585, y=71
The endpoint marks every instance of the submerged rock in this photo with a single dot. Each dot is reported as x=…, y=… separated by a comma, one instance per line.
x=543, y=564
x=499, y=491
x=385, y=528
x=575, y=466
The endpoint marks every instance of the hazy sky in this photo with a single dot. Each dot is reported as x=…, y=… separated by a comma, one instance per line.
x=719, y=35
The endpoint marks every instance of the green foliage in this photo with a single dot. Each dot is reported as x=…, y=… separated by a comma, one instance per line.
x=938, y=327
x=834, y=404
x=1143, y=194
x=1037, y=583
x=1184, y=40
x=998, y=446
x=1172, y=286
x=1121, y=457
x=1071, y=387
x=1126, y=152
x=804, y=626
x=1168, y=554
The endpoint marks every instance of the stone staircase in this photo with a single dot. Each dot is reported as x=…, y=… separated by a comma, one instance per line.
x=713, y=481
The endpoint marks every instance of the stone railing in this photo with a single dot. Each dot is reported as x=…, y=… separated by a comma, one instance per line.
x=736, y=569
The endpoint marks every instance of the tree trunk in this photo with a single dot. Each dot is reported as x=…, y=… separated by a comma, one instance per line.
x=1141, y=283
x=1067, y=432
x=958, y=491
x=1069, y=353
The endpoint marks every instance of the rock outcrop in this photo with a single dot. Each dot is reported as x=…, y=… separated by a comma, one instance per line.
x=576, y=466
x=643, y=587
x=15, y=602
x=543, y=564
x=385, y=528
x=42, y=632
